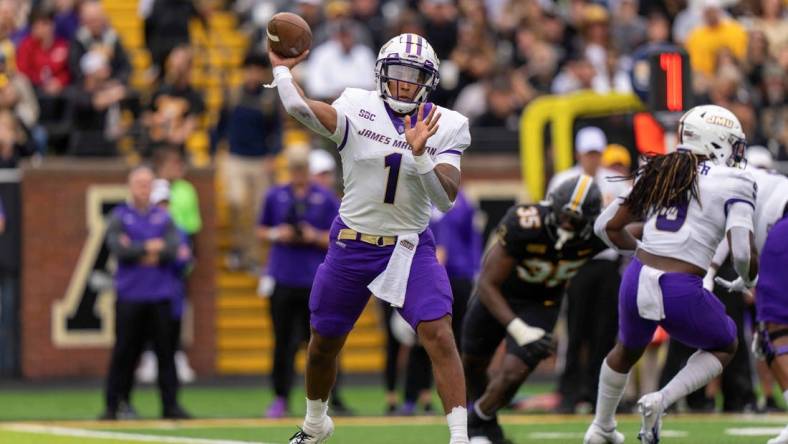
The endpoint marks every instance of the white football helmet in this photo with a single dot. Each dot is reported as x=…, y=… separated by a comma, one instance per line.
x=714, y=132
x=406, y=58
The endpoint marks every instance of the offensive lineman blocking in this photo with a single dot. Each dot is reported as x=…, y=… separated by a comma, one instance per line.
x=380, y=242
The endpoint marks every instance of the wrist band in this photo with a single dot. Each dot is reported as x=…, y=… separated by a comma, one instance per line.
x=424, y=163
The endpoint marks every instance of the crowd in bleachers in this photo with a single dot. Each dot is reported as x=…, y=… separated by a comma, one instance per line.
x=65, y=74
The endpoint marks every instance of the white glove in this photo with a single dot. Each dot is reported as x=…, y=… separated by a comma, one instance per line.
x=523, y=333
x=739, y=285
x=708, y=280
x=265, y=287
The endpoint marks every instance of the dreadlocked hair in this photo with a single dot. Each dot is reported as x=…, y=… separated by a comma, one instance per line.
x=664, y=181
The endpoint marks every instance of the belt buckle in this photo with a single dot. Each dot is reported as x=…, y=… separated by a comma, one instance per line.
x=381, y=241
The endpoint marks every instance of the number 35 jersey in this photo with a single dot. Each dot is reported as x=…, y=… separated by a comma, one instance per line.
x=691, y=233
x=541, y=271
x=383, y=193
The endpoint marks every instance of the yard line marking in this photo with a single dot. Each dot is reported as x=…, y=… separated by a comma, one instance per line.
x=754, y=431
x=96, y=434
x=580, y=435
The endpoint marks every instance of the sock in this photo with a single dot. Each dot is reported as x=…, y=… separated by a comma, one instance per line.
x=611, y=389
x=458, y=425
x=701, y=368
x=316, y=411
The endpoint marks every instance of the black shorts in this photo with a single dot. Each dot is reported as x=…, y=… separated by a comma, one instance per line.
x=481, y=332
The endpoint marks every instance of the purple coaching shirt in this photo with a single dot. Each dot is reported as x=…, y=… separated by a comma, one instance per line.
x=455, y=232
x=296, y=265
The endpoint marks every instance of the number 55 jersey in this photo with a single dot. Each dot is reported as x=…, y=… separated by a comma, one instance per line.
x=383, y=194
x=691, y=233
x=541, y=271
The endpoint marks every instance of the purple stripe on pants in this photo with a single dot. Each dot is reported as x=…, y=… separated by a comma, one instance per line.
x=693, y=315
x=339, y=293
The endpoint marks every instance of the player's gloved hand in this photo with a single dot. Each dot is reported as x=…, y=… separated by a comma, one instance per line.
x=739, y=285
x=544, y=346
x=523, y=333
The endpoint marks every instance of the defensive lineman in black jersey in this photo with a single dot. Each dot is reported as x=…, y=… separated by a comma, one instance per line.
x=537, y=249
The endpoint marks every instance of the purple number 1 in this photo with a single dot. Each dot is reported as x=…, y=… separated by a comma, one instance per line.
x=393, y=162
x=672, y=218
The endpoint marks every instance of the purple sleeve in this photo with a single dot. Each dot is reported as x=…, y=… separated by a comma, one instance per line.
x=267, y=217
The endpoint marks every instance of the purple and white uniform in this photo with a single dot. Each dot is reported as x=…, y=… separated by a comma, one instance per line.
x=383, y=197
x=677, y=301
x=771, y=238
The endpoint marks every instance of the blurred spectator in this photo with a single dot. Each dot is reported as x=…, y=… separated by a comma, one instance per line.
x=93, y=108
x=96, y=34
x=658, y=30
x=66, y=19
x=441, y=25
x=14, y=143
x=629, y=29
x=323, y=81
x=714, y=34
x=502, y=105
x=598, y=50
x=577, y=74
x=167, y=27
x=13, y=16
x=42, y=56
x=340, y=12
x=369, y=15
x=773, y=122
x=147, y=370
x=8, y=32
x=176, y=107
x=295, y=219
x=145, y=242
x=251, y=122
x=17, y=95
x=472, y=61
x=617, y=158
x=772, y=22
x=323, y=169
x=183, y=203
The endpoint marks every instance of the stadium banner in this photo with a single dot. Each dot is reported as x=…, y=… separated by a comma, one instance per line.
x=67, y=303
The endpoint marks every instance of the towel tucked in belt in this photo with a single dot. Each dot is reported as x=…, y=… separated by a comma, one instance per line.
x=391, y=285
x=650, y=304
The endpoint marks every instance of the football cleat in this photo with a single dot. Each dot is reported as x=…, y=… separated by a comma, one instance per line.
x=782, y=438
x=651, y=409
x=597, y=435
x=314, y=437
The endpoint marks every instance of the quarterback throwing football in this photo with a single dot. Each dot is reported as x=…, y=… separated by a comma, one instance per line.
x=397, y=161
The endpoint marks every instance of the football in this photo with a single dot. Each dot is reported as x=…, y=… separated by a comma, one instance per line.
x=288, y=34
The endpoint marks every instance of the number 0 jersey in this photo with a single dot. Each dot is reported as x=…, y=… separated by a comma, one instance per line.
x=692, y=233
x=541, y=271
x=383, y=193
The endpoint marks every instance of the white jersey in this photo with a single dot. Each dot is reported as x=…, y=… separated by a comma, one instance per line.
x=772, y=199
x=692, y=233
x=383, y=193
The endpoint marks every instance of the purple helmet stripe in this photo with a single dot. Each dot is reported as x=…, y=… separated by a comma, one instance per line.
x=419, y=44
x=407, y=43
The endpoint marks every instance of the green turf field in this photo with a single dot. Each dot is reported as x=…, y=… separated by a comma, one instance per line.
x=65, y=416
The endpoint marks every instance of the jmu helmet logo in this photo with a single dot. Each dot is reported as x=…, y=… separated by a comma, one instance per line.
x=720, y=121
